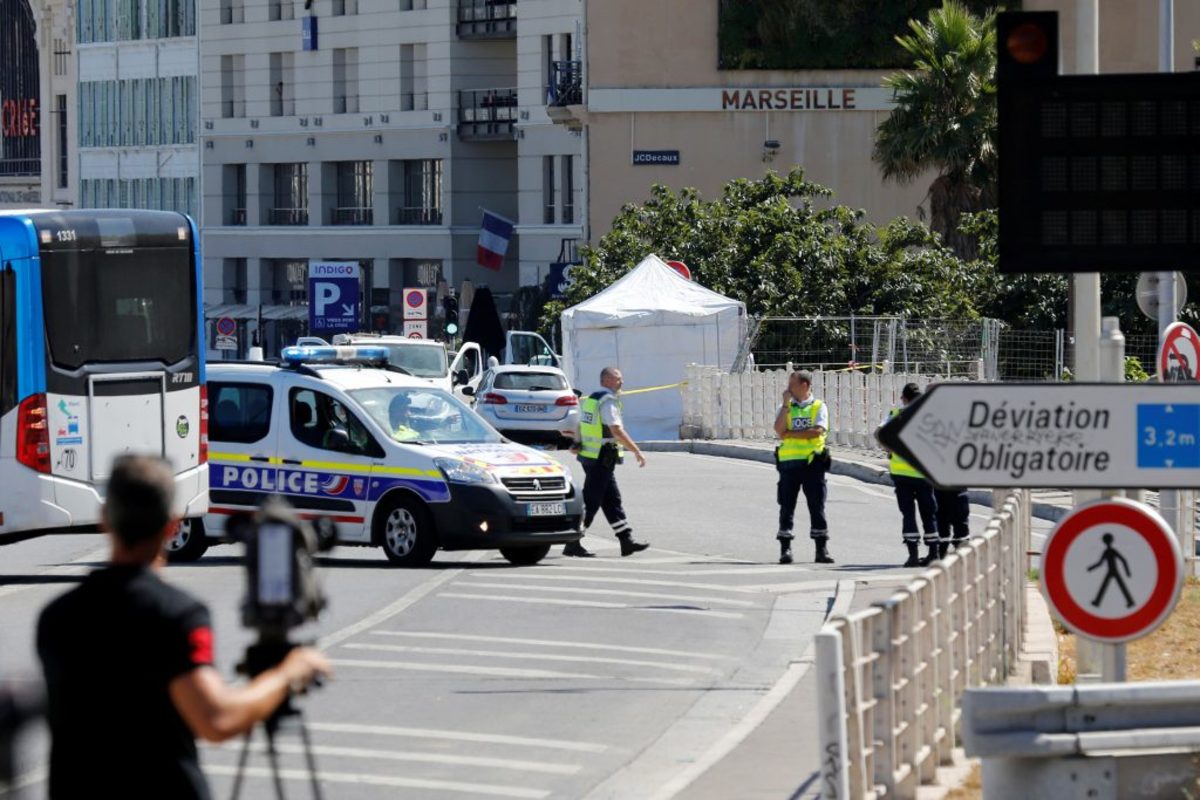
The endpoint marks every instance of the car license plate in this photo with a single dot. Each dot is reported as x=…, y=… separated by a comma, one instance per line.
x=525, y=408
x=546, y=509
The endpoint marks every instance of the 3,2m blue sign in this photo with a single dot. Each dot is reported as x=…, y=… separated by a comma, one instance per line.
x=333, y=297
x=1168, y=435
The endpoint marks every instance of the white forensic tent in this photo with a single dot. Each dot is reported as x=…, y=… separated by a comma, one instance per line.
x=651, y=324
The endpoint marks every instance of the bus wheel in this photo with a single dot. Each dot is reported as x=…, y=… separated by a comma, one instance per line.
x=404, y=528
x=189, y=542
x=525, y=556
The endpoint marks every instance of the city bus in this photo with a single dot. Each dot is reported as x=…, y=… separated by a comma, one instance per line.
x=101, y=353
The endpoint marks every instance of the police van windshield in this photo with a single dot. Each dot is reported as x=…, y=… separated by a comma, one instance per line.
x=426, y=416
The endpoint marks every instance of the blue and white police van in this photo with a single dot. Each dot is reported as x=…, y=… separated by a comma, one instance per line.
x=391, y=460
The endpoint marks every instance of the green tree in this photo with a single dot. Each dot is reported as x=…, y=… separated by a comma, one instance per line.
x=945, y=117
x=782, y=247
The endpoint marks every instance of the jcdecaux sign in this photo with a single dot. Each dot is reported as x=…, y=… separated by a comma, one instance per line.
x=1067, y=435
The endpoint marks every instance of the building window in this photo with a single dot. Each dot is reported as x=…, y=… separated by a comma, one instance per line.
x=282, y=76
x=281, y=9
x=414, y=78
x=232, y=12
x=342, y=8
x=412, y=5
x=422, y=202
x=354, y=190
x=233, y=86
x=235, y=193
x=60, y=101
x=289, y=281
x=233, y=281
x=291, y=195
x=345, y=80
x=568, y=190
x=548, y=190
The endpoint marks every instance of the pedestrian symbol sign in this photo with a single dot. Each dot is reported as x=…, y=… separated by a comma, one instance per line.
x=1112, y=570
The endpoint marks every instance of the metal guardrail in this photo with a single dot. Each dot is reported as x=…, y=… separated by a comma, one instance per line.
x=891, y=677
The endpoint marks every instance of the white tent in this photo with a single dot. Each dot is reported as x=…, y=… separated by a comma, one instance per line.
x=651, y=324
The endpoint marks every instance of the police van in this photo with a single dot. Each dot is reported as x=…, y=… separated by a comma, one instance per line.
x=391, y=460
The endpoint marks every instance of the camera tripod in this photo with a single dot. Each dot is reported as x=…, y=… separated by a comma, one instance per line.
x=264, y=654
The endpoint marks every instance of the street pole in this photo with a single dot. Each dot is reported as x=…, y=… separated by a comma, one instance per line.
x=1085, y=308
x=1112, y=370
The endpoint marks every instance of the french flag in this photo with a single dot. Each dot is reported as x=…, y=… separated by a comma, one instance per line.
x=494, y=236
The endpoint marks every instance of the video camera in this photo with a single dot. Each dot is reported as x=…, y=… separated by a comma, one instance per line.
x=282, y=590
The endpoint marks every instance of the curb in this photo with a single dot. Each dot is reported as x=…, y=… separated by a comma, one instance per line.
x=863, y=471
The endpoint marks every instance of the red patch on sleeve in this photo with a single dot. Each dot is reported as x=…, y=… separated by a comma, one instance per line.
x=201, y=641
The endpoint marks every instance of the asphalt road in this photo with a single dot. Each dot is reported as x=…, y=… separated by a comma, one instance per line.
x=599, y=678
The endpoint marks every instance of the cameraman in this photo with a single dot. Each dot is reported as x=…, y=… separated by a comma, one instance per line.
x=127, y=651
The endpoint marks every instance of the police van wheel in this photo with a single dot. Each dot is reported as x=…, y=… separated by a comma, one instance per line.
x=525, y=556
x=405, y=531
x=189, y=542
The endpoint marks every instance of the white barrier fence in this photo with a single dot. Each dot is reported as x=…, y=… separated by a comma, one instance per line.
x=721, y=405
x=891, y=677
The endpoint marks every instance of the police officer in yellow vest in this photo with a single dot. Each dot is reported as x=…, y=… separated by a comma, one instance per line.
x=913, y=493
x=802, y=459
x=602, y=442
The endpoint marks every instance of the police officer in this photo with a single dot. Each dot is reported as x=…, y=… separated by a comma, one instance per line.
x=602, y=443
x=913, y=493
x=802, y=459
x=953, y=512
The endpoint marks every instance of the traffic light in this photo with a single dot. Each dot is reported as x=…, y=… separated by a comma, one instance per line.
x=450, y=306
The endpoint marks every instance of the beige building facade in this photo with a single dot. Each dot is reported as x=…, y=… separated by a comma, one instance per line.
x=655, y=108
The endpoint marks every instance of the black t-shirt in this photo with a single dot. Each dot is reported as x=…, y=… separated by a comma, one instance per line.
x=109, y=649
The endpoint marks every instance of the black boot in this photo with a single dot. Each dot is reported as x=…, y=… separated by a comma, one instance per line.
x=578, y=550
x=629, y=546
x=822, y=556
x=943, y=548
x=914, y=558
x=785, y=551
x=931, y=556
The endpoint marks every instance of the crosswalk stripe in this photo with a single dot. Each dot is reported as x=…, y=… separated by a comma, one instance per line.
x=501, y=672
x=491, y=790
x=618, y=648
x=756, y=568
x=712, y=587
x=457, y=736
x=620, y=592
x=454, y=651
x=551, y=601
x=418, y=757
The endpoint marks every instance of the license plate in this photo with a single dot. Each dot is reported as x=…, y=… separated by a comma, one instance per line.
x=546, y=509
x=525, y=408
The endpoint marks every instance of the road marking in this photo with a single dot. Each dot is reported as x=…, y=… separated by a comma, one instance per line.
x=452, y=651
x=421, y=758
x=413, y=595
x=526, y=576
x=458, y=736
x=547, y=601
x=466, y=637
x=385, y=780
x=620, y=592
x=498, y=672
x=751, y=568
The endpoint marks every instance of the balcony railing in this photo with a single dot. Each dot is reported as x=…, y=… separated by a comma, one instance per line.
x=487, y=19
x=289, y=216
x=487, y=113
x=414, y=101
x=353, y=215
x=20, y=166
x=237, y=216
x=566, y=84
x=345, y=104
x=418, y=215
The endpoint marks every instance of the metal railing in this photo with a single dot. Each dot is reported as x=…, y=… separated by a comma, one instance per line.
x=566, y=84
x=891, y=677
x=418, y=215
x=288, y=216
x=353, y=215
x=487, y=113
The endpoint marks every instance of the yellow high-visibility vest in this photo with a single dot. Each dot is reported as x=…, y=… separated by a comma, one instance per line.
x=896, y=464
x=802, y=418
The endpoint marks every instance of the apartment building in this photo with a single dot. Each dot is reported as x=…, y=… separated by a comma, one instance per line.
x=37, y=101
x=377, y=131
x=662, y=97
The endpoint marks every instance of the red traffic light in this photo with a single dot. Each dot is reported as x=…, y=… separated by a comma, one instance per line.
x=1027, y=43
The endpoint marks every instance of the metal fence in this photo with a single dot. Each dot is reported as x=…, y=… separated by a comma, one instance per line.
x=891, y=677
x=942, y=348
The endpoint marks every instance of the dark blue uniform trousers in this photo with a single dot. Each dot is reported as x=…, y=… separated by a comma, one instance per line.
x=794, y=477
x=600, y=492
x=913, y=494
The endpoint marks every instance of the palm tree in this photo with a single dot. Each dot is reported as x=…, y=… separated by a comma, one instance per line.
x=945, y=117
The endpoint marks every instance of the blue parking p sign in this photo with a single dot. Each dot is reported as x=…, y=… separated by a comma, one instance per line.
x=333, y=297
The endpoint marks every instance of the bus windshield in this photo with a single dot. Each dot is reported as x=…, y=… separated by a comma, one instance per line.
x=126, y=304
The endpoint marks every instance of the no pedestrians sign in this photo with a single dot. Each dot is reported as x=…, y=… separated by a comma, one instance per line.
x=1112, y=570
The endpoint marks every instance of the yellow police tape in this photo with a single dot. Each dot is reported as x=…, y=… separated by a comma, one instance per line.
x=653, y=388
x=858, y=367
